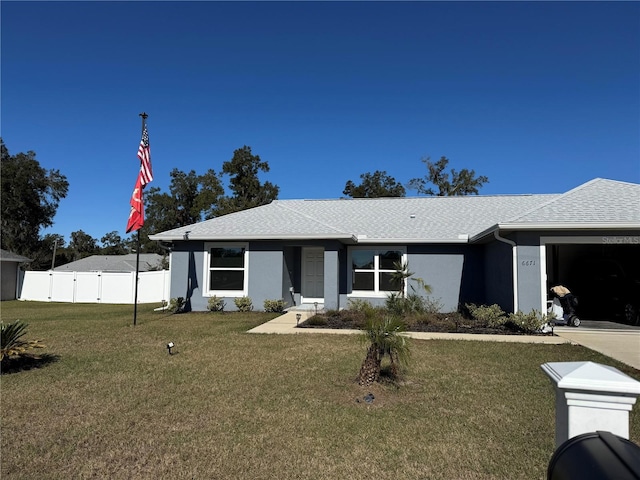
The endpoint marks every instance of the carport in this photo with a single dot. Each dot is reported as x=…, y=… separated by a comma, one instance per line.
x=603, y=271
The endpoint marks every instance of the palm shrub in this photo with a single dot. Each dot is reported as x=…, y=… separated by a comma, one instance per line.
x=385, y=339
x=395, y=304
x=400, y=306
x=11, y=343
x=400, y=276
x=401, y=303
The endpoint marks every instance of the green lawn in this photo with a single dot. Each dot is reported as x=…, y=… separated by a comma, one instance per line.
x=112, y=403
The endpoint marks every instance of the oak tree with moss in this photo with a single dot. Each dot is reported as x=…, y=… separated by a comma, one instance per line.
x=440, y=183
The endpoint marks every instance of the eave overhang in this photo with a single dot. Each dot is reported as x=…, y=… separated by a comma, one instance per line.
x=554, y=226
x=345, y=238
x=413, y=241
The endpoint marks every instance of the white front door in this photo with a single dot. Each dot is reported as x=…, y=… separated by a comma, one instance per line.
x=312, y=275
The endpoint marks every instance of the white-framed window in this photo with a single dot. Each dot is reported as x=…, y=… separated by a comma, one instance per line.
x=372, y=270
x=226, y=269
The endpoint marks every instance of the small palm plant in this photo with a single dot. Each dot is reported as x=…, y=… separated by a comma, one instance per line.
x=400, y=276
x=385, y=338
x=10, y=340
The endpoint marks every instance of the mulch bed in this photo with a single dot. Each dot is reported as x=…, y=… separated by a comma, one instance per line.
x=431, y=322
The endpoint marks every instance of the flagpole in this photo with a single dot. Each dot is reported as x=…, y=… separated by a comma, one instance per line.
x=135, y=295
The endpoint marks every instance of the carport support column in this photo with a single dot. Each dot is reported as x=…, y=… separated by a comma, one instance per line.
x=331, y=279
x=514, y=266
x=591, y=397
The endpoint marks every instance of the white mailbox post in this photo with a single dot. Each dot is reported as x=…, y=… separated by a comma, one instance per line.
x=591, y=397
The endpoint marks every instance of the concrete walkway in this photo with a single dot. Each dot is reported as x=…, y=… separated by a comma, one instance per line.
x=622, y=345
x=287, y=324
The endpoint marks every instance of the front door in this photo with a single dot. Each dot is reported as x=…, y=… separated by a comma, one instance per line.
x=312, y=275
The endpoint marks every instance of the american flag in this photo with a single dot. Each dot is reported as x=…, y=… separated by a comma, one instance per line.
x=144, y=154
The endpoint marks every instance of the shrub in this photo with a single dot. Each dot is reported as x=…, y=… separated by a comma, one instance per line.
x=359, y=305
x=216, y=304
x=316, y=320
x=274, y=306
x=176, y=305
x=492, y=316
x=531, y=322
x=413, y=303
x=10, y=340
x=396, y=304
x=353, y=318
x=432, y=305
x=359, y=319
x=363, y=310
x=421, y=319
x=243, y=304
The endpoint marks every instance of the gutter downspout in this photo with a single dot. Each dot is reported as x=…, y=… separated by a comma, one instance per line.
x=514, y=266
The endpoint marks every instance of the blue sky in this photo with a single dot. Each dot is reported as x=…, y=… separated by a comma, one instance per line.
x=538, y=96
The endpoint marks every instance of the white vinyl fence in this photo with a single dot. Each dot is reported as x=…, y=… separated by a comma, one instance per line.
x=95, y=287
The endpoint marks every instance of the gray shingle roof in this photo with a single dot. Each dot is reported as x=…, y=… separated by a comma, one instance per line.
x=415, y=219
x=7, y=256
x=598, y=201
x=112, y=263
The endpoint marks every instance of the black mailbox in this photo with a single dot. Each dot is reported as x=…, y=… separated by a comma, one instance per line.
x=595, y=456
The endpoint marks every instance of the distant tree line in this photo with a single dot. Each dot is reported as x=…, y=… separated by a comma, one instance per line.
x=437, y=182
x=193, y=198
x=31, y=195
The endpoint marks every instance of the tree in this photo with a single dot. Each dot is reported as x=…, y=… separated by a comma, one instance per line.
x=82, y=245
x=191, y=199
x=375, y=185
x=247, y=190
x=30, y=199
x=51, y=252
x=112, y=244
x=384, y=336
x=453, y=183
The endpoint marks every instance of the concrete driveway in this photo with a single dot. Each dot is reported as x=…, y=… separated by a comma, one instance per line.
x=621, y=342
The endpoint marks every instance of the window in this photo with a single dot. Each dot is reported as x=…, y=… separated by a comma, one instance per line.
x=373, y=270
x=227, y=269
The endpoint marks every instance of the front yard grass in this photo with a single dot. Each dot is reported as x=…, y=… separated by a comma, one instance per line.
x=110, y=402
